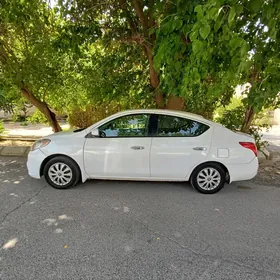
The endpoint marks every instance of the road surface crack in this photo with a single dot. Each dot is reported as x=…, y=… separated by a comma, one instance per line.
x=20, y=205
x=164, y=236
x=218, y=260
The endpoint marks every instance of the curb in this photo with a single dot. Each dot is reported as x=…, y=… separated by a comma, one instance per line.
x=267, y=153
x=19, y=151
x=261, y=156
x=19, y=138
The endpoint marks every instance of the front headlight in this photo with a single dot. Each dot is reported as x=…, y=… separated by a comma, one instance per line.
x=40, y=144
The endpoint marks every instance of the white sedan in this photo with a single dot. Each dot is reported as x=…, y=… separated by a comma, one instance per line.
x=148, y=145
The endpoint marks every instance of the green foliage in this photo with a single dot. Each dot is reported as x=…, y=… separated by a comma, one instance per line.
x=114, y=74
x=263, y=118
x=261, y=121
x=58, y=60
x=189, y=64
x=81, y=118
x=27, y=44
x=219, y=45
x=84, y=52
x=1, y=127
x=38, y=52
x=37, y=117
x=18, y=118
x=8, y=96
x=91, y=114
x=232, y=114
x=86, y=115
x=232, y=117
x=20, y=109
x=233, y=120
x=24, y=123
x=256, y=132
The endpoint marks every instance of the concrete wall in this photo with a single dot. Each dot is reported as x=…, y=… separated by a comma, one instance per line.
x=30, y=111
x=5, y=116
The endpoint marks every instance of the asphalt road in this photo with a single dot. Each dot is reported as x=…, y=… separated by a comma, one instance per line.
x=135, y=230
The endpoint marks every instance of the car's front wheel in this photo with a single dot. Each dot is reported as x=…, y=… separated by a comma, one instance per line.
x=208, y=178
x=61, y=172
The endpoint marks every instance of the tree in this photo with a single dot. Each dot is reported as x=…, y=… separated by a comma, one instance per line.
x=188, y=54
x=204, y=50
x=260, y=67
x=26, y=54
x=252, y=32
x=189, y=62
x=126, y=22
x=115, y=73
x=36, y=53
x=111, y=79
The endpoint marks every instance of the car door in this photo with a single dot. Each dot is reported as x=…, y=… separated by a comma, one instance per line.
x=121, y=150
x=178, y=145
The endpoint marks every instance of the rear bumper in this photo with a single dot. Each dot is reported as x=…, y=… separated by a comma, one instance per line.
x=240, y=172
x=34, y=162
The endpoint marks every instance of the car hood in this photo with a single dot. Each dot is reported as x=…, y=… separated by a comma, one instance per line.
x=65, y=133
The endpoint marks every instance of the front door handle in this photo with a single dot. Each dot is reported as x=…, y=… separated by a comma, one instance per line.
x=200, y=148
x=137, y=148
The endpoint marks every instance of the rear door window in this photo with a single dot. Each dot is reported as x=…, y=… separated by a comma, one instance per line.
x=172, y=126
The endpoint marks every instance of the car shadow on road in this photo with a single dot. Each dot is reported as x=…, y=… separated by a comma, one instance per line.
x=134, y=184
x=152, y=186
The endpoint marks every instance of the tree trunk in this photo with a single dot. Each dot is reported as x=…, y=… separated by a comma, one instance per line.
x=43, y=107
x=172, y=102
x=154, y=78
x=147, y=42
x=175, y=102
x=249, y=116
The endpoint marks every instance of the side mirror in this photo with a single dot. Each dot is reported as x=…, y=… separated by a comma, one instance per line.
x=95, y=132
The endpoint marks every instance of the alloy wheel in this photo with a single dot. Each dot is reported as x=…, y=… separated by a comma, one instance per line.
x=60, y=173
x=208, y=178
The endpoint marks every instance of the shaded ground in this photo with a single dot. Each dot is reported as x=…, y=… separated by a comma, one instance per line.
x=269, y=173
x=136, y=230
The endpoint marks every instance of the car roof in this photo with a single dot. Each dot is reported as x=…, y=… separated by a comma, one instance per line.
x=154, y=111
x=163, y=111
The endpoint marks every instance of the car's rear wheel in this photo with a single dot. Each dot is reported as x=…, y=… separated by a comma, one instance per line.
x=61, y=172
x=208, y=178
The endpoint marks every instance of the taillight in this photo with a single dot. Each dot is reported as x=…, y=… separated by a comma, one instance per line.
x=251, y=146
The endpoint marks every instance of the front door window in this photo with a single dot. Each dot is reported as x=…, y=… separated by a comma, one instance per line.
x=126, y=126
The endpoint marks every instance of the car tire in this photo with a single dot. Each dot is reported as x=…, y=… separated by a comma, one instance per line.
x=61, y=172
x=208, y=178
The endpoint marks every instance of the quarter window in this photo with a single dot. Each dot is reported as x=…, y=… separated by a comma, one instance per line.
x=126, y=126
x=171, y=126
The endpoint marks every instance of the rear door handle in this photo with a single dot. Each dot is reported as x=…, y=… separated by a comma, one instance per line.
x=137, y=148
x=200, y=148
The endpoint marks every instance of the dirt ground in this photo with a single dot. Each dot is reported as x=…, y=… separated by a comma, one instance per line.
x=269, y=173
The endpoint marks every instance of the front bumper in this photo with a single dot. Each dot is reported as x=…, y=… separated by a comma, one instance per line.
x=34, y=162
